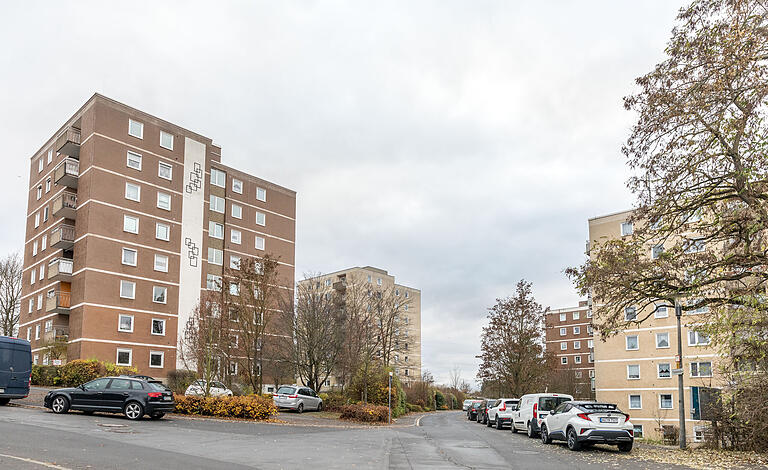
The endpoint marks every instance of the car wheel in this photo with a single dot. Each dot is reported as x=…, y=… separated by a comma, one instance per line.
x=4, y=401
x=157, y=415
x=488, y=422
x=498, y=423
x=573, y=443
x=60, y=404
x=545, y=439
x=133, y=410
x=300, y=408
x=625, y=446
x=512, y=426
x=320, y=407
x=530, y=430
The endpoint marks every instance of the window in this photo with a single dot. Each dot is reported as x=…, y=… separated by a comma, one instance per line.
x=261, y=194
x=133, y=192
x=216, y=230
x=46, y=359
x=576, y=330
x=261, y=218
x=632, y=343
x=124, y=357
x=50, y=156
x=51, y=294
x=591, y=357
x=590, y=343
x=701, y=369
x=215, y=256
x=156, y=359
x=37, y=219
x=563, y=360
x=577, y=373
x=31, y=305
x=259, y=243
x=633, y=371
x=159, y=294
x=237, y=186
x=661, y=312
x=135, y=129
x=635, y=402
x=43, y=242
x=34, y=248
x=665, y=370
x=35, y=359
x=577, y=345
x=590, y=330
x=695, y=245
x=162, y=231
x=127, y=289
x=29, y=333
x=575, y=315
x=577, y=359
x=39, y=192
x=45, y=214
x=698, y=433
x=33, y=274
x=627, y=228
x=563, y=331
x=217, y=204
x=665, y=401
x=235, y=236
x=697, y=339
x=133, y=161
x=592, y=373
x=234, y=261
x=129, y=256
x=48, y=325
x=42, y=272
x=234, y=288
x=48, y=185
x=37, y=332
x=164, y=171
x=40, y=165
x=237, y=211
x=166, y=140
x=656, y=251
x=163, y=201
x=637, y=430
x=125, y=323
x=218, y=178
x=630, y=313
x=130, y=224
x=589, y=313
x=563, y=346
x=213, y=282
x=662, y=340
x=161, y=263
x=563, y=316
x=158, y=327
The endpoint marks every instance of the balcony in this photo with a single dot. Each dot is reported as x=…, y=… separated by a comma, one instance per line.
x=65, y=205
x=67, y=173
x=58, y=302
x=340, y=286
x=57, y=333
x=60, y=269
x=63, y=237
x=68, y=143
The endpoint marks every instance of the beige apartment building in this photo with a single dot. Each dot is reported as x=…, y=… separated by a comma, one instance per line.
x=570, y=338
x=129, y=218
x=407, y=358
x=635, y=368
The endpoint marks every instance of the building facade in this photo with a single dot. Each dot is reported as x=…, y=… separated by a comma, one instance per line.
x=636, y=367
x=406, y=360
x=570, y=339
x=128, y=217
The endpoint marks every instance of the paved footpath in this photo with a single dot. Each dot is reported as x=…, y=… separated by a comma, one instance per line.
x=37, y=439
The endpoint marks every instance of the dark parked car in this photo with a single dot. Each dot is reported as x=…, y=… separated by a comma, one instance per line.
x=15, y=368
x=472, y=410
x=132, y=397
x=482, y=410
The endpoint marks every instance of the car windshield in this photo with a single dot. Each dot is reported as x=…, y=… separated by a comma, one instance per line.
x=286, y=390
x=550, y=403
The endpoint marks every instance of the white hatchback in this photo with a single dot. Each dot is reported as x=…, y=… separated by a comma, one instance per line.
x=217, y=389
x=501, y=413
x=588, y=422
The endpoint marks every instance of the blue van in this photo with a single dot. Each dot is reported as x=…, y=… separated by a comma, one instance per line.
x=15, y=368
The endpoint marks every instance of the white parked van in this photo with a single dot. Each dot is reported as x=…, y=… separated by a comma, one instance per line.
x=532, y=409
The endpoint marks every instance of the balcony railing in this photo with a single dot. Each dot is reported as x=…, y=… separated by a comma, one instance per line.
x=65, y=205
x=59, y=269
x=63, y=237
x=68, y=143
x=340, y=285
x=58, y=302
x=57, y=333
x=67, y=172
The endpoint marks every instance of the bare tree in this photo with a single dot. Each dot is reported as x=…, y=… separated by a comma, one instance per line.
x=204, y=334
x=455, y=378
x=10, y=294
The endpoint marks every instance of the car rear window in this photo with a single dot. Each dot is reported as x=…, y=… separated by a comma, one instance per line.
x=510, y=402
x=550, y=403
x=286, y=390
x=156, y=386
x=598, y=406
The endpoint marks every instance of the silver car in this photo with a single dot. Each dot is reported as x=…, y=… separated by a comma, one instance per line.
x=295, y=397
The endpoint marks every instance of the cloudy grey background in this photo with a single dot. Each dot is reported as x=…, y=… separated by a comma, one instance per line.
x=461, y=145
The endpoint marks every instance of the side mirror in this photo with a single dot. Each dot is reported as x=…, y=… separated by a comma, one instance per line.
x=82, y=387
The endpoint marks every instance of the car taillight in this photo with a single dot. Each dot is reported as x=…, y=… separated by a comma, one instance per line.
x=627, y=418
x=155, y=394
x=535, y=410
x=632, y=432
x=584, y=416
x=503, y=407
x=293, y=396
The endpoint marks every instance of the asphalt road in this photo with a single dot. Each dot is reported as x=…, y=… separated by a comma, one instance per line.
x=37, y=439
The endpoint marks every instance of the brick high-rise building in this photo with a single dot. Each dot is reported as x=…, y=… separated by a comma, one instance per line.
x=569, y=337
x=128, y=216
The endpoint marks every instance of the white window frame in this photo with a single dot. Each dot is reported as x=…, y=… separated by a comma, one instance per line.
x=261, y=218
x=163, y=165
x=235, y=236
x=141, y=129
x=697, y=336
x=629, y=400
x=660, y=335
x=628, y=316
x=136, y=158
x=215, y=230
x=162, y=289
x=37, y=219
x=46, y=213
x=39, y=191
x=37, y=332
x=237, y=186
x=42, y=272
x=259, y=243
x=48, y=185
x=217, y=204
x=159, y=225
x=239, y=214
x=48, y=325
x=671, y=401
x=166, y=134
x=261, y=194
x=577, y=359
x=577, y=345
x=629, y=374
x=564, y=360
x=162, y=359
x=127, y=218
x=563, y=331
x=575, y=316
x=698, y=369
x=152, y=326
x=34, y=248
x=161, y=196
x=563, y=345
x=135, y=256
x=130, y=357
x=658, y=370
x=133, y=289
x=50, y=156
x=212, y=281
x=120, y=322
x=43, y=242
x=234, y=288
x=234, y=262
x=657, y=313
x=627, y=228
x=133, y=186
x=656, y=251
x=218, y=178
x=40, y=165
x=577, y=330
x=563, y=316
x=214, y=255
x=159, y=268
x=626, y=342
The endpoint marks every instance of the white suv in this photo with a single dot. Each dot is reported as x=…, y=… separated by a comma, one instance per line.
x=501, y=413
x=533, y=408
x=588, y=422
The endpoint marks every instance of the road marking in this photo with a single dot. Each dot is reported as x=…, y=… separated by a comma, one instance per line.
x=44, y=464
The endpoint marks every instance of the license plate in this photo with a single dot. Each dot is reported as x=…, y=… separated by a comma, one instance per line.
x=167, y=398
x=609, y=420
x=2, y=390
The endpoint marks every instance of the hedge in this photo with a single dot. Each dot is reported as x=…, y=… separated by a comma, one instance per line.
x=249, y=407
x=180, y=379
x=365, y=413
x=76, y=372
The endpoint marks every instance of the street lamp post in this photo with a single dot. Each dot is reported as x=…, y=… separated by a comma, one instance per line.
x=389, y=398
x=680, y=391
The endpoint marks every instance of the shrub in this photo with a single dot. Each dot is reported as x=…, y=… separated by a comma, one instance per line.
x=45, y=375
x=439, y=400
x=79, y=371
x=248, y=407
x=365, y=413
x=378, y=382
x=333, y=401
x=180, y=379
x=415, y=408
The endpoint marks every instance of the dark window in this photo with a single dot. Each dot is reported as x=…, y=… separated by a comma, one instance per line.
x=136, y=385
x=550, y=403
x=120, y=384
x=286, y=390
x=98, y=384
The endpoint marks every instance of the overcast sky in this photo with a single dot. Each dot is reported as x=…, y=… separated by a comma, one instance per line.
x=460, y=145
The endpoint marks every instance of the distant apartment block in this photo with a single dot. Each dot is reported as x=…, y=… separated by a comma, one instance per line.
x=635, y=368
x=407, y=357
x=570, y=338
x=129, y=218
